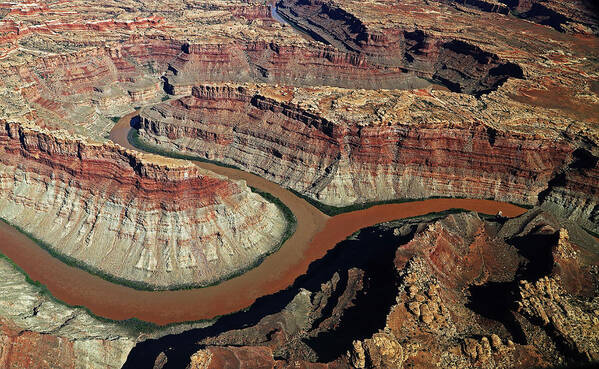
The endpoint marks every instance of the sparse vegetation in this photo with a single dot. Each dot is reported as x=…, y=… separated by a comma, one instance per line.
x=135, y=140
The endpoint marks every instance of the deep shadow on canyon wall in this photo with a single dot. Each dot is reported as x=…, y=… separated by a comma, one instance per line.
x=371, y=251
x=455, y=64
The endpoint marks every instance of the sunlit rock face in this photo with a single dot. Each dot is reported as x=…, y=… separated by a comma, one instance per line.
x=341, y=147
x=155, y=222
x=368, y=101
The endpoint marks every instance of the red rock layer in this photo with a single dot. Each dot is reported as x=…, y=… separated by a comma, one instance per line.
x=112, y=169
x=574, y=191
x=457, y=64
x=345, y=163
x=25, y=349
x=279, y=63
x=261, y=357
x=151, y=221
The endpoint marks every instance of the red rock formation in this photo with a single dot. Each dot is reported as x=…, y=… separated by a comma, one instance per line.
x=248, y=357
x=341, y=162
x=280, y=63
x=455, y=63
x=470, y=293
x=23, y=349
x=151, y=221
x=520, y=127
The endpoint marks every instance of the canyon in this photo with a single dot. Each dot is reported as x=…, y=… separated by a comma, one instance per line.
x=150, y=223
x=342, y=147
x=278, y=131
x=457, y=290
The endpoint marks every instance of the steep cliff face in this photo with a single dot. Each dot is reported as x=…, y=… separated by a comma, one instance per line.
x=160, y=223
x=573, y=191
x=345, y=160
x=277, y=62
x=459, y=292
x=574, y=16
x=397, y=59
x=456, y=64
x=500, y=278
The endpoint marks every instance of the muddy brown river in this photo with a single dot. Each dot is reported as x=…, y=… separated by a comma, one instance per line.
x=316, y=234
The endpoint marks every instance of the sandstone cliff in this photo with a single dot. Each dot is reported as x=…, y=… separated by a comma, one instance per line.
x=151, y=221
x=343, y=147
x=38, y=332
x=519, y=124
x=461, y=292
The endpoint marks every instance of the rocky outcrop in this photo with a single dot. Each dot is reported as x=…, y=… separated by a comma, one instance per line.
x=572, y=322
x=279, y=63
x=372, y=152
x=39, y=332
x=492, y=6
x=462, y=292
x=149, y=221
x=380, y=351
x=220, y=357
x=478, y=281
x=572, y=191
x=518, y=124
x=454, y=63
x=565, y=16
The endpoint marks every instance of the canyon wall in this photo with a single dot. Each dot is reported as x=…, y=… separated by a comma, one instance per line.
x=275, y=62
x=410, y=60
x=153, y=222
x=436, y=291
x=38, y=332
x=457, y=64
x=577, y=16
x=345, y=162
x=574, y=191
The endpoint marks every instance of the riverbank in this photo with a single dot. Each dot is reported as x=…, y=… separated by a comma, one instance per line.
x=315, y=235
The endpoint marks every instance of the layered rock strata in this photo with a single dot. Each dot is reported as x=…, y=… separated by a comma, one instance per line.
x=342, y=147
x=38, y=332
x=72, y=65
x=151, y=221
x=464, y=292
x=280, y=63
x=455, y=63
x=573, y=16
